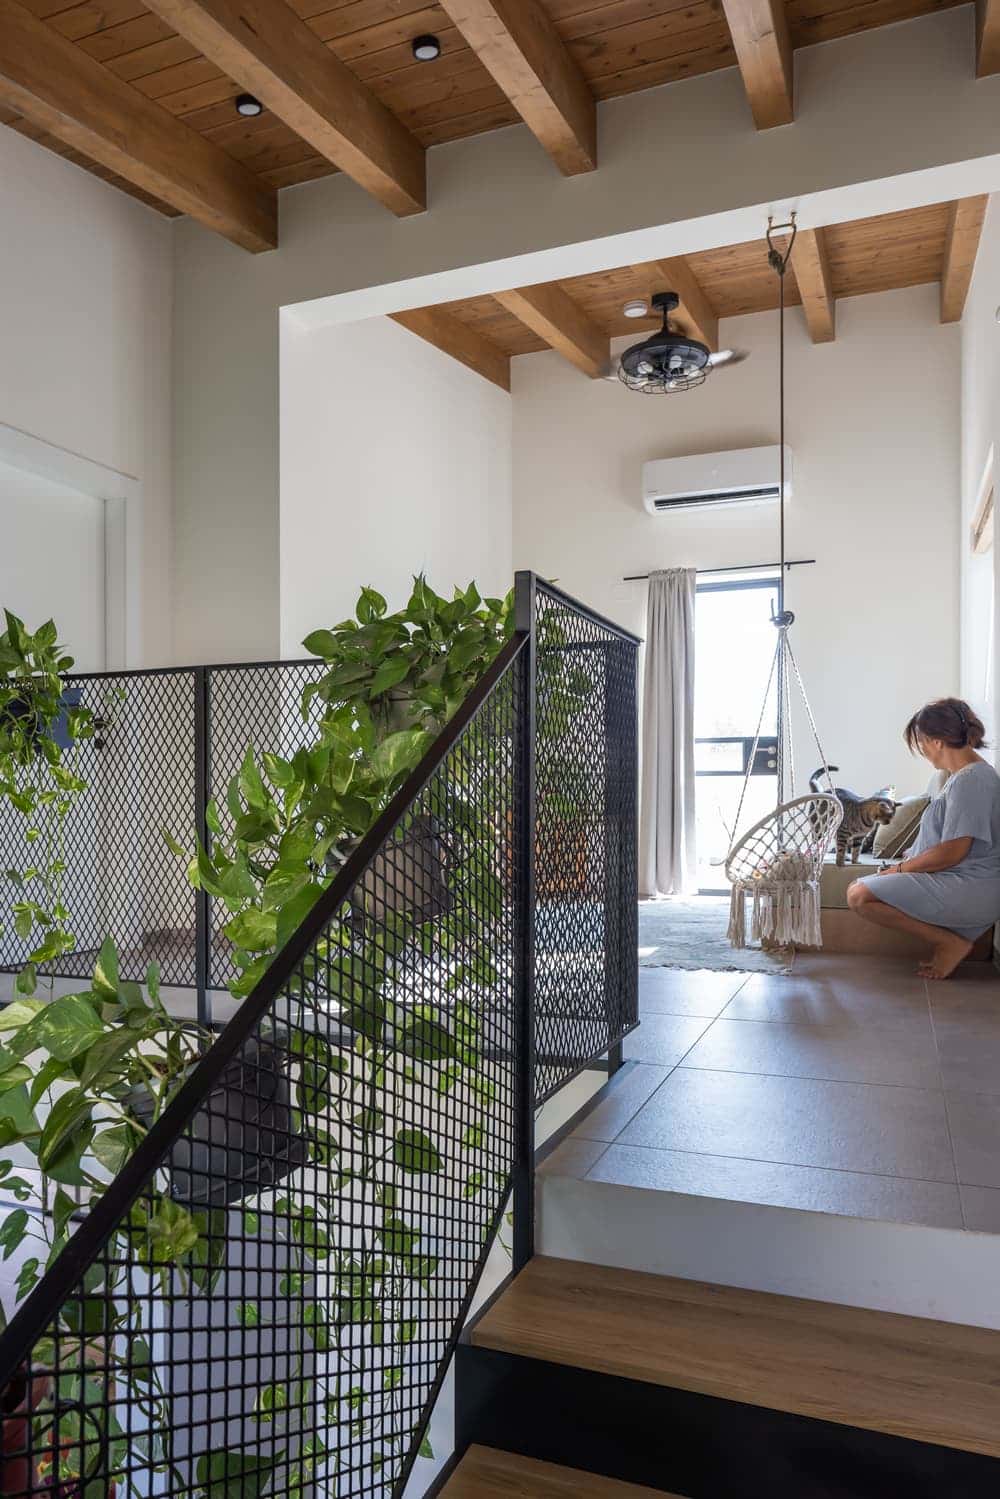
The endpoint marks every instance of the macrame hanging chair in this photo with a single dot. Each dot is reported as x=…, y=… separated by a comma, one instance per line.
x=777, y=863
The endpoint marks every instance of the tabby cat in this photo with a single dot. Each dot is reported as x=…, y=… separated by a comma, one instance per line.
x=861, y=815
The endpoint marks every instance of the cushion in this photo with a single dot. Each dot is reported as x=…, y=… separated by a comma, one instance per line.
x=892, y=838
x=835, y=879
x=937, y=782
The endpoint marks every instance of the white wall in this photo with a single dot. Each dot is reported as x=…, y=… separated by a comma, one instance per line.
x=873, y=420
x=86, y=280
x=395, y=460
x=52, y=561
x=980, y=431
x=681, y=168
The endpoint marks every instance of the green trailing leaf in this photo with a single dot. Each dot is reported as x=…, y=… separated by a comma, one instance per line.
x=19, y=1013
x=171, y=1232
x=271, y=1400
x=391, y=672
x=283, y=885
x=235, y=1475
x=399, y=753
x=415, y=1152
x=106, y=972
x=27, y=1277
x=14, y=1075
x=68, y=1026
x=12, y=1230
x=321, y=643
x=256, y=931
x=112, y=1147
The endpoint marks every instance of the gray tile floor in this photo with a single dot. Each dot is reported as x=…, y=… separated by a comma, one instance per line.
x=848, y=1086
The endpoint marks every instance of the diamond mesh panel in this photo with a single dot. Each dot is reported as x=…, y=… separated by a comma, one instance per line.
x=585, y=845
x=121, y=879
x=259, y=707
x=347, y=1158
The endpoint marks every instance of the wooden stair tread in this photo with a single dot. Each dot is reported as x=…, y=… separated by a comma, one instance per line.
x=907, y=1376
x=485, y=1473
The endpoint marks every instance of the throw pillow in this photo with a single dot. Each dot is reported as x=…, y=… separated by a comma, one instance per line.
x=893, y=838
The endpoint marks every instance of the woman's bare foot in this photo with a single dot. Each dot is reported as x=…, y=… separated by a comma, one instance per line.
x=945, y=957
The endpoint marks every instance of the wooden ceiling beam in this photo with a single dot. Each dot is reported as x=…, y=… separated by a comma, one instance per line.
x=264, y=46
x=57, y=86
x=965, y=225
x=521, y=49
x=812, y=276
x=463, y=343
x=553, y=315
x=763, y=46
x=987, y=37
x=695, y=313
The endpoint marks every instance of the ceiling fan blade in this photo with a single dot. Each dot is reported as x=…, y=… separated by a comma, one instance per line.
x=728, y=356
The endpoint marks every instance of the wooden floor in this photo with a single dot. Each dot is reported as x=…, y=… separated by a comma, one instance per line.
x=928, y=1381
x=485, y=1473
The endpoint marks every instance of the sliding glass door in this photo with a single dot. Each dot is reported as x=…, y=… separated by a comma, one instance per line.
x=734, y=647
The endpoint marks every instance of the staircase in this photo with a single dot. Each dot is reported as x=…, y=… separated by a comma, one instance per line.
x=485, y=1473
x=710, y=1391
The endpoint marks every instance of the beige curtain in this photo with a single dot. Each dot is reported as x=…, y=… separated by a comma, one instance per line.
x=667, y=859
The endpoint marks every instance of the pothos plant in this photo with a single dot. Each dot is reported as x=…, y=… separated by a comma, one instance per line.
x=71, y=1063
x=365, y=1101
x=390, y=682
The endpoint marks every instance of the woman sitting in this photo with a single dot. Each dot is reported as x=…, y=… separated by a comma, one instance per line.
x=947, y=889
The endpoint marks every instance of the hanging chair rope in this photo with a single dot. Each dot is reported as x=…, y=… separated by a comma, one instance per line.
x=778, y=861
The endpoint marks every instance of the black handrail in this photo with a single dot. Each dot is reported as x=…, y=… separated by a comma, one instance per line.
x=601, y=620
x=35, y=1315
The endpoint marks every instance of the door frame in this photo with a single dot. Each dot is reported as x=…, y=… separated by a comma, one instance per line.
x=121, y=496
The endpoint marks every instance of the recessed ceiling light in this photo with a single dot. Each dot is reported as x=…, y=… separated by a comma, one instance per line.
x=426, y=48
x=248, y=106
x=635, y=309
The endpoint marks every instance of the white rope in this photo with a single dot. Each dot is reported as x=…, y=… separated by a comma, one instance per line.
x=756, y=742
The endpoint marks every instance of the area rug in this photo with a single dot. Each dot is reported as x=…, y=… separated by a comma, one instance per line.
x=692, y=934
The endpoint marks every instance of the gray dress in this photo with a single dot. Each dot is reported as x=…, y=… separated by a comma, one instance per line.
x=965, y=899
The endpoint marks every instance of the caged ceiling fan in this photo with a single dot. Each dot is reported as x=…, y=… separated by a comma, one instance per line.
x=669, y=361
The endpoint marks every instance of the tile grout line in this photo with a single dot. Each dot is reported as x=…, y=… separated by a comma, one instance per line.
x=760, y=1160
x=947, y=1110
x=802, y=1077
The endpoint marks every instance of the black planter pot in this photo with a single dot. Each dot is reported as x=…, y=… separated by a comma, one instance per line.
x=242, y=1140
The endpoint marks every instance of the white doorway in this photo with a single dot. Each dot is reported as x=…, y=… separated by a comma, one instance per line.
x=53, y=561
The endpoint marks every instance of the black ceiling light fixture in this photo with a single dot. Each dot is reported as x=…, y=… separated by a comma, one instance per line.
x=248, y=106
x=667, y=361
x=426, y=48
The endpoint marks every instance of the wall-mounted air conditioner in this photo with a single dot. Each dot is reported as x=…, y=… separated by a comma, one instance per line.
x=744, y=476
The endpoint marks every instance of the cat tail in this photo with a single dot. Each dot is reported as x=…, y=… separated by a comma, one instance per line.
x=821, y=771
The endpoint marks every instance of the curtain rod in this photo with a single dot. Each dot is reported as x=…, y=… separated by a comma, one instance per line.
x=752, y=567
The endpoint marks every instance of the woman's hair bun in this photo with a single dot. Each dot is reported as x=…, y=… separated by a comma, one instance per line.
x=949, y=719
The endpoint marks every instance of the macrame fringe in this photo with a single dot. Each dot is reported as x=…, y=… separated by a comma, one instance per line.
x=737, y=933
x=783, y=914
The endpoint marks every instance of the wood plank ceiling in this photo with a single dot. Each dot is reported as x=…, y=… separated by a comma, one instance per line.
x=917, y=246
x=343, y=89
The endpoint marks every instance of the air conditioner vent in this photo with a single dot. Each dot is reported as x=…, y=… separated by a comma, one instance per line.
x=757, y=496
x=743, y=476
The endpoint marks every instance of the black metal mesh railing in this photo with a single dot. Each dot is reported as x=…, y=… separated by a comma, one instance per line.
x=586, y=978
x=258, y=707
x=121, y=878
x=166, y=742
x=265, y=1298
